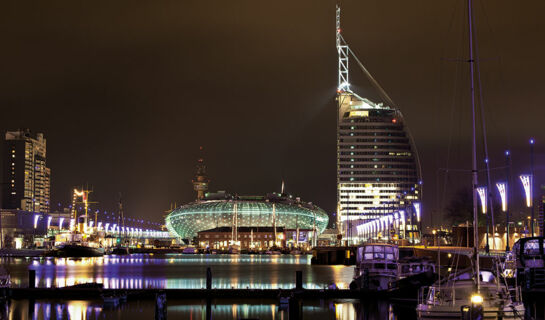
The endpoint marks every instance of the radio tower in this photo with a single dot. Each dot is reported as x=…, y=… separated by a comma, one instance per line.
x=200, y=183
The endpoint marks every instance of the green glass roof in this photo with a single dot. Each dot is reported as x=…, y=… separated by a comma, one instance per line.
x=186, y=221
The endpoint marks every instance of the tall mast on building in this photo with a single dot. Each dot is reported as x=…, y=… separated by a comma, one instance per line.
x=200, y=183
x=342, y=50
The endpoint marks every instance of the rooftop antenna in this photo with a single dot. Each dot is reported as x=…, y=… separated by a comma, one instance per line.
x=200, y=183
x=342, y=50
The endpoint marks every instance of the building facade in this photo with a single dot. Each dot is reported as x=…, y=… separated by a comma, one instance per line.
x=20, y=229
x=257, y=238
x=377, y=165
x=26, y=176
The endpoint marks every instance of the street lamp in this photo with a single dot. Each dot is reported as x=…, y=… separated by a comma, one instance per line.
x=418, y=209
x=36, y=218
x=502, y=189
x=532, y=141
x=527, y=183
x=482, y=195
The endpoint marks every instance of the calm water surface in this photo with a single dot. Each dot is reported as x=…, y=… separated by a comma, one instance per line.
x=186, y=271
x=220, y=310
x=178, y=271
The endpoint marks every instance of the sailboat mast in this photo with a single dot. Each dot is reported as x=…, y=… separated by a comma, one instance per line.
x=474, y=149
x=236, y=223
x=233, y=224
x=274, y=223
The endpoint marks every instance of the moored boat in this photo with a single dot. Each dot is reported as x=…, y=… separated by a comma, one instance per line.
x=119, y=251
x=528, y=256
x=457, y=295
x=75, y=250
x=376, y=267
x=5, y=279
x=413, y=274
x=190, y=250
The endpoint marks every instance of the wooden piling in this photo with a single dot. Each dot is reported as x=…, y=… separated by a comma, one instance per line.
x=208, y=279
x=299, y=280
x=32, y=279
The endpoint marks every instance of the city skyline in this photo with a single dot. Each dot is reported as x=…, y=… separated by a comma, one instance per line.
x=125, y=99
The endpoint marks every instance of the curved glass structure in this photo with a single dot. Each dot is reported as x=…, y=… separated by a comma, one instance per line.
x=184, y=222
x=378, y=169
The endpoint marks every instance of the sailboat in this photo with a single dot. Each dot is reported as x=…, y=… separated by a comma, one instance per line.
x=471, y=293
x=121, y=248
x=76, y=243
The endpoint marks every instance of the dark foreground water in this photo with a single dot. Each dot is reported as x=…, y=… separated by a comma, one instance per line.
x=187, y=309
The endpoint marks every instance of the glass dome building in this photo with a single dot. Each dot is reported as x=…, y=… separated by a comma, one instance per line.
x=223, y=210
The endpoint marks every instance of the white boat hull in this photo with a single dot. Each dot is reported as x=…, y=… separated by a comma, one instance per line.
x=515, y=311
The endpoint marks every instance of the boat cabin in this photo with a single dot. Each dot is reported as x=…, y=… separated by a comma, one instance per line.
x=530, y=262
x=529, y=252
x=377, y=257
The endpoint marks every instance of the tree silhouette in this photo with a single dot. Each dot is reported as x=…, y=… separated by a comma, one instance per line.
x=460, y=208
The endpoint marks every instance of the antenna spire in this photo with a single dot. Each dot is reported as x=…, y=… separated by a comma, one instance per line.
x=200, y=183
x=342, y=50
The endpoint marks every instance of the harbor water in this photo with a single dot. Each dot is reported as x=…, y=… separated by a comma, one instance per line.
x=178, y=271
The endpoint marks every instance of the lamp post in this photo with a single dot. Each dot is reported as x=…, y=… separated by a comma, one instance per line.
x=509, y=182
x=532, y=141
x=483, y=196
x=417, y=208
x=527, y=183
x=502, y=189
x=36, y=218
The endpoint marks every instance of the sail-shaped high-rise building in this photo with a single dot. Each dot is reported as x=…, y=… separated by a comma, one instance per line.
x=378, y=172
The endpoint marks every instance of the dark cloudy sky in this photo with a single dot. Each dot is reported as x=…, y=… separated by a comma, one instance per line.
x=127, y=91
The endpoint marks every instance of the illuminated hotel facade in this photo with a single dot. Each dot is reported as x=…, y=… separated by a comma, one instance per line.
x=378, y=172
x=377, y=165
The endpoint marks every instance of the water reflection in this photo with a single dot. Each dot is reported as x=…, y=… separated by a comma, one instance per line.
x=178, y=271
x=196, y=309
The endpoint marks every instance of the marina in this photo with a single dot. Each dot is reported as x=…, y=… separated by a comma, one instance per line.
x=198, y=161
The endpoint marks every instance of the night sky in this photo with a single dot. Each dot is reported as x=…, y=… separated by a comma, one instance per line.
x=127, y=91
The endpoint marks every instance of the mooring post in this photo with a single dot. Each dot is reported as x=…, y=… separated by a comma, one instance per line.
x=32, y=279
x=31, y=306
x=208, y=278
x=299, y=280
x=295, y=309
x=208, y=309
x=161, y=306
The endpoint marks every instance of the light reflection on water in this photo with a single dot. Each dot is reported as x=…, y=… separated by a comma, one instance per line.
x=178, y=271
x=196, y=309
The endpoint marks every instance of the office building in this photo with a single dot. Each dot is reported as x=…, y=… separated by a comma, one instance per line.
x=26, y=176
